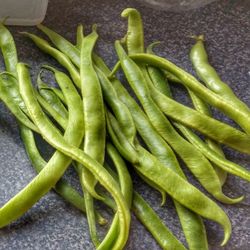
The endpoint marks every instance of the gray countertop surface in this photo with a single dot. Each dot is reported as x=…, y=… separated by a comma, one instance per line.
x=54, y=224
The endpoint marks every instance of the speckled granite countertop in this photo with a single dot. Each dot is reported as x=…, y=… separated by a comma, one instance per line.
x=52, y=223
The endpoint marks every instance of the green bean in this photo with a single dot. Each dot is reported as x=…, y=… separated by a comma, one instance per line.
x=87, y=197
x=119, y=108
x=188, y=196
x=134, y=37
x=59, y=56
x=51, y=111
x=124, y=119
x=209, y=76
x=214, y=157
x=126, y=188
x=6, y=95
x=79, y=38
x=197, y=142
x=179, y=189
x=201, y=106
x=162, y=85
x=94, y=118
x=56, y=91
x=151, y=221
x=156, y=187
x=154, y=224
x=192, y=224
x=195, y=161
x=127, y=149
x=171, y=77
x=56, y=140
x=51, y=97
x=7, y=45
x=190, y=82
x=58, y=40
x=57, y=165
x=62, y=187
x=157, y=76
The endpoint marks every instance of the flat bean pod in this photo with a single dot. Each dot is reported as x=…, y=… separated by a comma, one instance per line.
x=94, y=119
x=56, y=140
x=196, y=162
x=209, y=76
x=51, y=97
x=59, y=56
x=161, y=83
x=190, y=82
x=8, y=47
x=192, y=224
x=57, y=165
x=60, y=42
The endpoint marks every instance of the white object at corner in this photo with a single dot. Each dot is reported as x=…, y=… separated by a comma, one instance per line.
x=23, y=12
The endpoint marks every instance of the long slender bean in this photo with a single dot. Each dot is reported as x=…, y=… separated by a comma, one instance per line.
x=57, y=165
x=209, y=76
x=51, y=97
x=60, y=42
x=190, y=82
x=56, y=140
x=161, y=83
x=58, y=55
x=192, y=224
x=196, y=162
x=180, y=189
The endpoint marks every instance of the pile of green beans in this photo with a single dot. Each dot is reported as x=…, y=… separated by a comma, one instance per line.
x=94, y=124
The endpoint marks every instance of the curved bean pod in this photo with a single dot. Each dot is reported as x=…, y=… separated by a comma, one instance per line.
x=8, y=47
x=160, y=82
x=195, y=161
x=57, y=165
x=134, y=37
x=58, y=55
x=127, y=190
x=192, y=224
x=60, y=42
x=190, y=82
x=94, y=119
x=209, y=76
x=56, y=140
x=51, y=97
